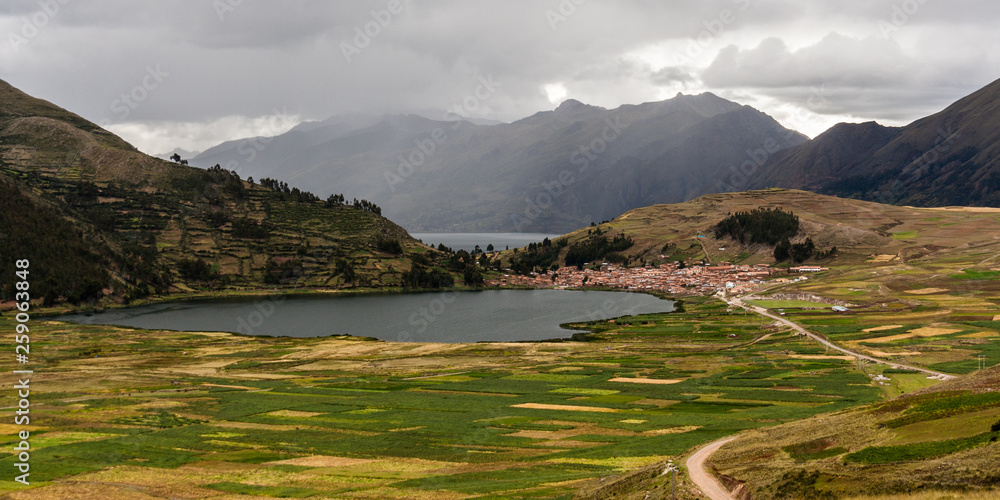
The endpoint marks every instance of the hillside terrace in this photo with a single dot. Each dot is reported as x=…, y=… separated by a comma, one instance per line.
x=667, y=278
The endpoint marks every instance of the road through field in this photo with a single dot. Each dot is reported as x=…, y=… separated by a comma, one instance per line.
x=710, y=486
x=736, y=301
x=696, y=464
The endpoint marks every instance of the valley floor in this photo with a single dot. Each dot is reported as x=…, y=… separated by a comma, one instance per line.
x=144, y=414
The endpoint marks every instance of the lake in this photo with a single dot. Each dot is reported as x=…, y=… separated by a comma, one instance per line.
x=470, y=316
x=468, y=241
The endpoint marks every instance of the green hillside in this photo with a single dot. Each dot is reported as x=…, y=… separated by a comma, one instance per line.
x=944, y=437
x=861, y=231
x=101, y=221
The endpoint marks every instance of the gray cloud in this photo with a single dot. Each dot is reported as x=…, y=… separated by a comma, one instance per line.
x=225, y=64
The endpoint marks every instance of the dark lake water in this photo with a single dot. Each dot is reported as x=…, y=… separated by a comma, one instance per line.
x=468, y=241
x=489, y=315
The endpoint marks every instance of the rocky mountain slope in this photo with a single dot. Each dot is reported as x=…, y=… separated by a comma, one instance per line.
x=949, y=158
x=554, y=171
x=98, y=219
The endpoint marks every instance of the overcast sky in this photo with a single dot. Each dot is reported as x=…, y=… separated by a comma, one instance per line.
x=190, y=74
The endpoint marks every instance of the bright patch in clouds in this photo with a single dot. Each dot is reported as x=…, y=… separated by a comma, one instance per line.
x=555, y=92
x=164, y=137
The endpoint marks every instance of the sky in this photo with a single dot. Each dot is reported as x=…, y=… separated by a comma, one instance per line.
x=189, y=74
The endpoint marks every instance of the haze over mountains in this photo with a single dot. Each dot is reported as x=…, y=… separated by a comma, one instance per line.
x=559, y=170
x=554, y=171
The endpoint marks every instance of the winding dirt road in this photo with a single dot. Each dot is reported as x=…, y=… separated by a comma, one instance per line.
x=710, y=486
x=704, y=479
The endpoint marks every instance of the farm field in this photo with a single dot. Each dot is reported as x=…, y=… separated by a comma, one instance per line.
x=789, y=304
x=121, y=410
x=143, y=414
x=942, y=439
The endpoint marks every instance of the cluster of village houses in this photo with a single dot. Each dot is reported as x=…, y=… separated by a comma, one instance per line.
x=667, y=278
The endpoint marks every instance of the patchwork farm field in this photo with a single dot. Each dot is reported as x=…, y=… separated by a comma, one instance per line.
x=127, y=413
x=138, y=414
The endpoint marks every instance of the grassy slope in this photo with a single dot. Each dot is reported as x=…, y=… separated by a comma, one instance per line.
x=930, y=296
x=814, y=455
x=860, y=230
x=47, y=152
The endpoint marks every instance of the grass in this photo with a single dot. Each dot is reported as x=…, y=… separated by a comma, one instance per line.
x=269, y=491
x=974, y=274
x=788, y=304
x=919, y=451
x=251, y=402
x=231, y=407
x=814, y=450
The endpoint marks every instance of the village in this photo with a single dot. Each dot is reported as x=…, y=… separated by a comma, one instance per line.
x=671, y=278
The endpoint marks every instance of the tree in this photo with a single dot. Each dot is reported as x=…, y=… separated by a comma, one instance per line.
x=419, y=277
x=460, y=259
x=489, y=248
x=344, y=268
x=388, y=245
x=472, y=275
x=196, y=270
x=782, y=251
x=800, y=252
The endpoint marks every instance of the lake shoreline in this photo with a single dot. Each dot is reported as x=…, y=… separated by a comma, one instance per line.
x=48, y=312
x=515, y=318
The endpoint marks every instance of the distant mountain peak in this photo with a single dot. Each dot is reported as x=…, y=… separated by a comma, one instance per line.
x=570, y=104
x=574, y=106
x=436, y=176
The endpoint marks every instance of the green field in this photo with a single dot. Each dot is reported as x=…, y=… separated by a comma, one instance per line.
x=789, y=304
x=284, y=417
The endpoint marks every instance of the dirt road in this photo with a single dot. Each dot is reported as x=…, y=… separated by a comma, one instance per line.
x=763, y=312
x=710, y=486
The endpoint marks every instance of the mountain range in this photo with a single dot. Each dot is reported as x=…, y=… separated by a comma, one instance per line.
x=553, y=171
x=562, y=169
x=949, y=158
x=133, y=224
